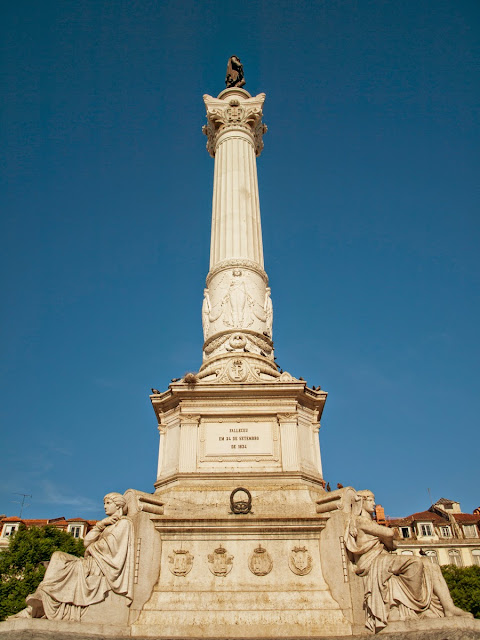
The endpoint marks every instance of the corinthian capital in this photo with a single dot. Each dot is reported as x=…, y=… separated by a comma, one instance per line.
x=234, y=113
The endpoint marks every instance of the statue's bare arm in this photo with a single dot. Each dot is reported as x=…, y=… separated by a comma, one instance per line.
x=385, y=534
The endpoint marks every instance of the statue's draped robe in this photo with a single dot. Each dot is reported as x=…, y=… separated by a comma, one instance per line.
x=404, y=582
x=71, y=584
x=234, y=74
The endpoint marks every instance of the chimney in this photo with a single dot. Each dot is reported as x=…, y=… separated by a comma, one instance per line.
x=380, y=514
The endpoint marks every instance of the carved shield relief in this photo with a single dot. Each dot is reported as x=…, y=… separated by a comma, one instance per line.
x=180, y=562
x=300, y=561
x=237, y=370
x=219, y=562
x=260, y=563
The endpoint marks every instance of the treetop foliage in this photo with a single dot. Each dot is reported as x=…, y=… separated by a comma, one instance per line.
x=464, y=585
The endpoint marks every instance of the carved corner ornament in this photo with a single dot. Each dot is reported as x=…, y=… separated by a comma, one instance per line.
x=180, y=562
x=260, y=563
x=234, y=114
x=300, y=561
x=220, y=562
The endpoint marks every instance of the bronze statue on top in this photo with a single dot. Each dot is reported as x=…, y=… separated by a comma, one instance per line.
x=235, y=77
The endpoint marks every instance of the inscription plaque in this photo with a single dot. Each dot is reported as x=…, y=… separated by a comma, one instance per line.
x=237, y=438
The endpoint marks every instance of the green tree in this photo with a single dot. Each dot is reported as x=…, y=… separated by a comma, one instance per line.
x=464, y=585
x=21, y=564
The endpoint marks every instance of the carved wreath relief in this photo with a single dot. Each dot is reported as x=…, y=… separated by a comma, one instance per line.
x=300, y=561
x=238, y=341
x=180, y=562
x=241, y=501
x=219, y=562
x=260, y=563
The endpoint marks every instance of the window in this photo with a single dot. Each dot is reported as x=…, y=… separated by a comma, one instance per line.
x=9, y=530
x=454, y=557
x=405, y=531
x=476, y=557
x=432, y=555
x=76, y=531
x=445, y=531
x=426, y=530
x=470, y=530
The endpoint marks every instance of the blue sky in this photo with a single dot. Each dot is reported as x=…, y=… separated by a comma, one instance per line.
x=369, y=191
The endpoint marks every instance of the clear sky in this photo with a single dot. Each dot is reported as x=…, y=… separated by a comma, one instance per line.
x=369, y=192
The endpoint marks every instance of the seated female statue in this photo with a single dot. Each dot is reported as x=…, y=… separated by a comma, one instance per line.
x=396, y=587
x=72, y=584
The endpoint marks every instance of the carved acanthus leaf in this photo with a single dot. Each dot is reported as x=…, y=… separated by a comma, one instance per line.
x=244, y=114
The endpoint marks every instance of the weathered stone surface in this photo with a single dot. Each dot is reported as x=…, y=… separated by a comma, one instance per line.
x=416, y=630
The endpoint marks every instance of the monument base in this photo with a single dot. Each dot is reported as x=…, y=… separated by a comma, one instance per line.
x=444, y=629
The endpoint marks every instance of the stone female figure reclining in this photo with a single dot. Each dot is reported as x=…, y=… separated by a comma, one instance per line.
x=72, y=584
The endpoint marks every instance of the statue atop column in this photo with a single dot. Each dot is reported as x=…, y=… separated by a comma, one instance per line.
x=234, y=77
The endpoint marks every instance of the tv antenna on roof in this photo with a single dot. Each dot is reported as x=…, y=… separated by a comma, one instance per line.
x=24, y=506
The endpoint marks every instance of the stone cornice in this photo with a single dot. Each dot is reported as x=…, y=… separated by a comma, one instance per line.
x=237, y=398
x=265, y=526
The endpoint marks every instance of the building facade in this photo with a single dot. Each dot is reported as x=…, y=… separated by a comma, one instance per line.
x=442, y=533
x=78, y=527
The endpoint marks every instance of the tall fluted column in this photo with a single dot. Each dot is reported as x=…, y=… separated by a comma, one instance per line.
x=237, y=312
x=236, y=227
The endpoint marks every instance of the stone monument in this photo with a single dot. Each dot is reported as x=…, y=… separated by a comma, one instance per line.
x=240, y=538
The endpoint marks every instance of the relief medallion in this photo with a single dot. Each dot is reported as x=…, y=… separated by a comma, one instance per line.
x=237, y=370
x=260, y=563
x=180, y=562
x=238, y=341
x=219, y=562
x=300, y=561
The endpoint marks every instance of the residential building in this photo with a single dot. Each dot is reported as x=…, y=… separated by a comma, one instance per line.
x=78, y=527
x=443, y=533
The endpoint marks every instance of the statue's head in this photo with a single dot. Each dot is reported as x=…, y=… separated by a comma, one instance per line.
x=368, y=501
x=118, y=500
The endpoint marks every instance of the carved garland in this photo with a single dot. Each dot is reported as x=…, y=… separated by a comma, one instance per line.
x=217, y=340
x=236, y=262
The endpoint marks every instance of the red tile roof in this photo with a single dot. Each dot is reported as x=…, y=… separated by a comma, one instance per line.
x=431, y=516
x=77, y=520
x=466, y=517
x=428, y=516
x=42, y=522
